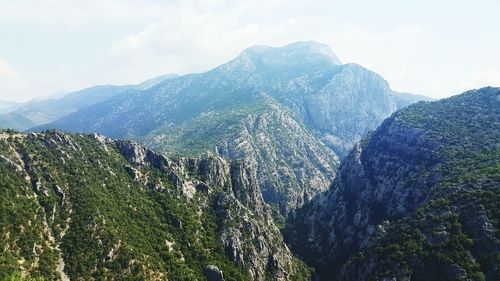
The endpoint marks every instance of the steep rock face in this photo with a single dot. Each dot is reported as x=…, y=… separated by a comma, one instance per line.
x=247, y=218
x=292, y=166
x=213, y=273
x=247, y=230
x=236, y=109
x=84, y=207
x=355, y=92
x=417, y=200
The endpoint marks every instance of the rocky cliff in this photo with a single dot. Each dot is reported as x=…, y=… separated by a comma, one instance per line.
x=417, y=200
x=88, y=207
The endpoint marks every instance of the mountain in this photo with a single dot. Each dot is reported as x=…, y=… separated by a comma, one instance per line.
x=154, y=81
x=7, y=106
x=418, y=199
x=15, y=120
x=42, y=111
x=405, y=99
x=87, y=207
x=293, y=110
x=38, y=112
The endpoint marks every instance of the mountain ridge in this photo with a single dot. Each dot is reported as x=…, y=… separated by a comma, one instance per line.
x=37, y=112
x=416, y=200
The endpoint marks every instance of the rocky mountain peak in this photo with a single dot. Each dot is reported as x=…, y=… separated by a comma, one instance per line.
x=298, y=55
x=296, y=49
x=292, y=110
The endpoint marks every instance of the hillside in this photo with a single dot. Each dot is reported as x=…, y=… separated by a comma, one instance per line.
x=87, y=207
x=416, y=200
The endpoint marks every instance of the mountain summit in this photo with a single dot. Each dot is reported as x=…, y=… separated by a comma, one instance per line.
x=296, y=55
x=287, y=61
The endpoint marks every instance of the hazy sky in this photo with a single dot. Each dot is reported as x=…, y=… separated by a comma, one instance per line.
x=431, y=47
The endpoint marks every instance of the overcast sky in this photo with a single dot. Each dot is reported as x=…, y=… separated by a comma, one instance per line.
x=429, y=47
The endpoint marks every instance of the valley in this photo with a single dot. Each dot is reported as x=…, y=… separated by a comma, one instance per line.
x=280, y=164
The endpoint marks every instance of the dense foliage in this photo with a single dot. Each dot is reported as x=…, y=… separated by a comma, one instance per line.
x=67, y=199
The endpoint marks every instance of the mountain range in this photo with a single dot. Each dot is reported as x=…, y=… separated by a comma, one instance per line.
x=87, y=207
x=417, y=199
x=281, y=164
x=22, y=116
x=6, y=106
x=293, y=110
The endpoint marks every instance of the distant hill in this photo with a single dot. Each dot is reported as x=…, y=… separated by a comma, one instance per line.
x=7, y=106
x=42, y=111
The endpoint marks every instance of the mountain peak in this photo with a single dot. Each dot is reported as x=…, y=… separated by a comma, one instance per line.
x=297, y=55
x=296, y=49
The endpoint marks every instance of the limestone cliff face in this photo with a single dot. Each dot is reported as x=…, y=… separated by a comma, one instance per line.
x=247, y=230
x=84, y=207
x=247, y=218
x=407, y=201
x=292, y=166
x=356, y=92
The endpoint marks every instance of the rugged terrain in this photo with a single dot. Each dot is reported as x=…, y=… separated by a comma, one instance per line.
x=86, y=207
x=293, y=110
x=418, y=199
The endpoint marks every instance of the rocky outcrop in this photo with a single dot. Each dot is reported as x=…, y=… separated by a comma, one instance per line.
x=213, y=273
x=246, y=217
x=247, y=230
x=362, y=96
x=292, y=166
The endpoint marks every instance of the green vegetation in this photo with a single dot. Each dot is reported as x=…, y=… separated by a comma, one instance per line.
x=467, y=129
x=439, y=236
x=17, y=276
x=418, y=200
x=200, y=134
x=460, y=226
x=112, y=226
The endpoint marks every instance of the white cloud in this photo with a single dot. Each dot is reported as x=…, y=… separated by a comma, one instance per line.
x=5, y=69
x=192, y=40
x=414, y=52
x=80, y=13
